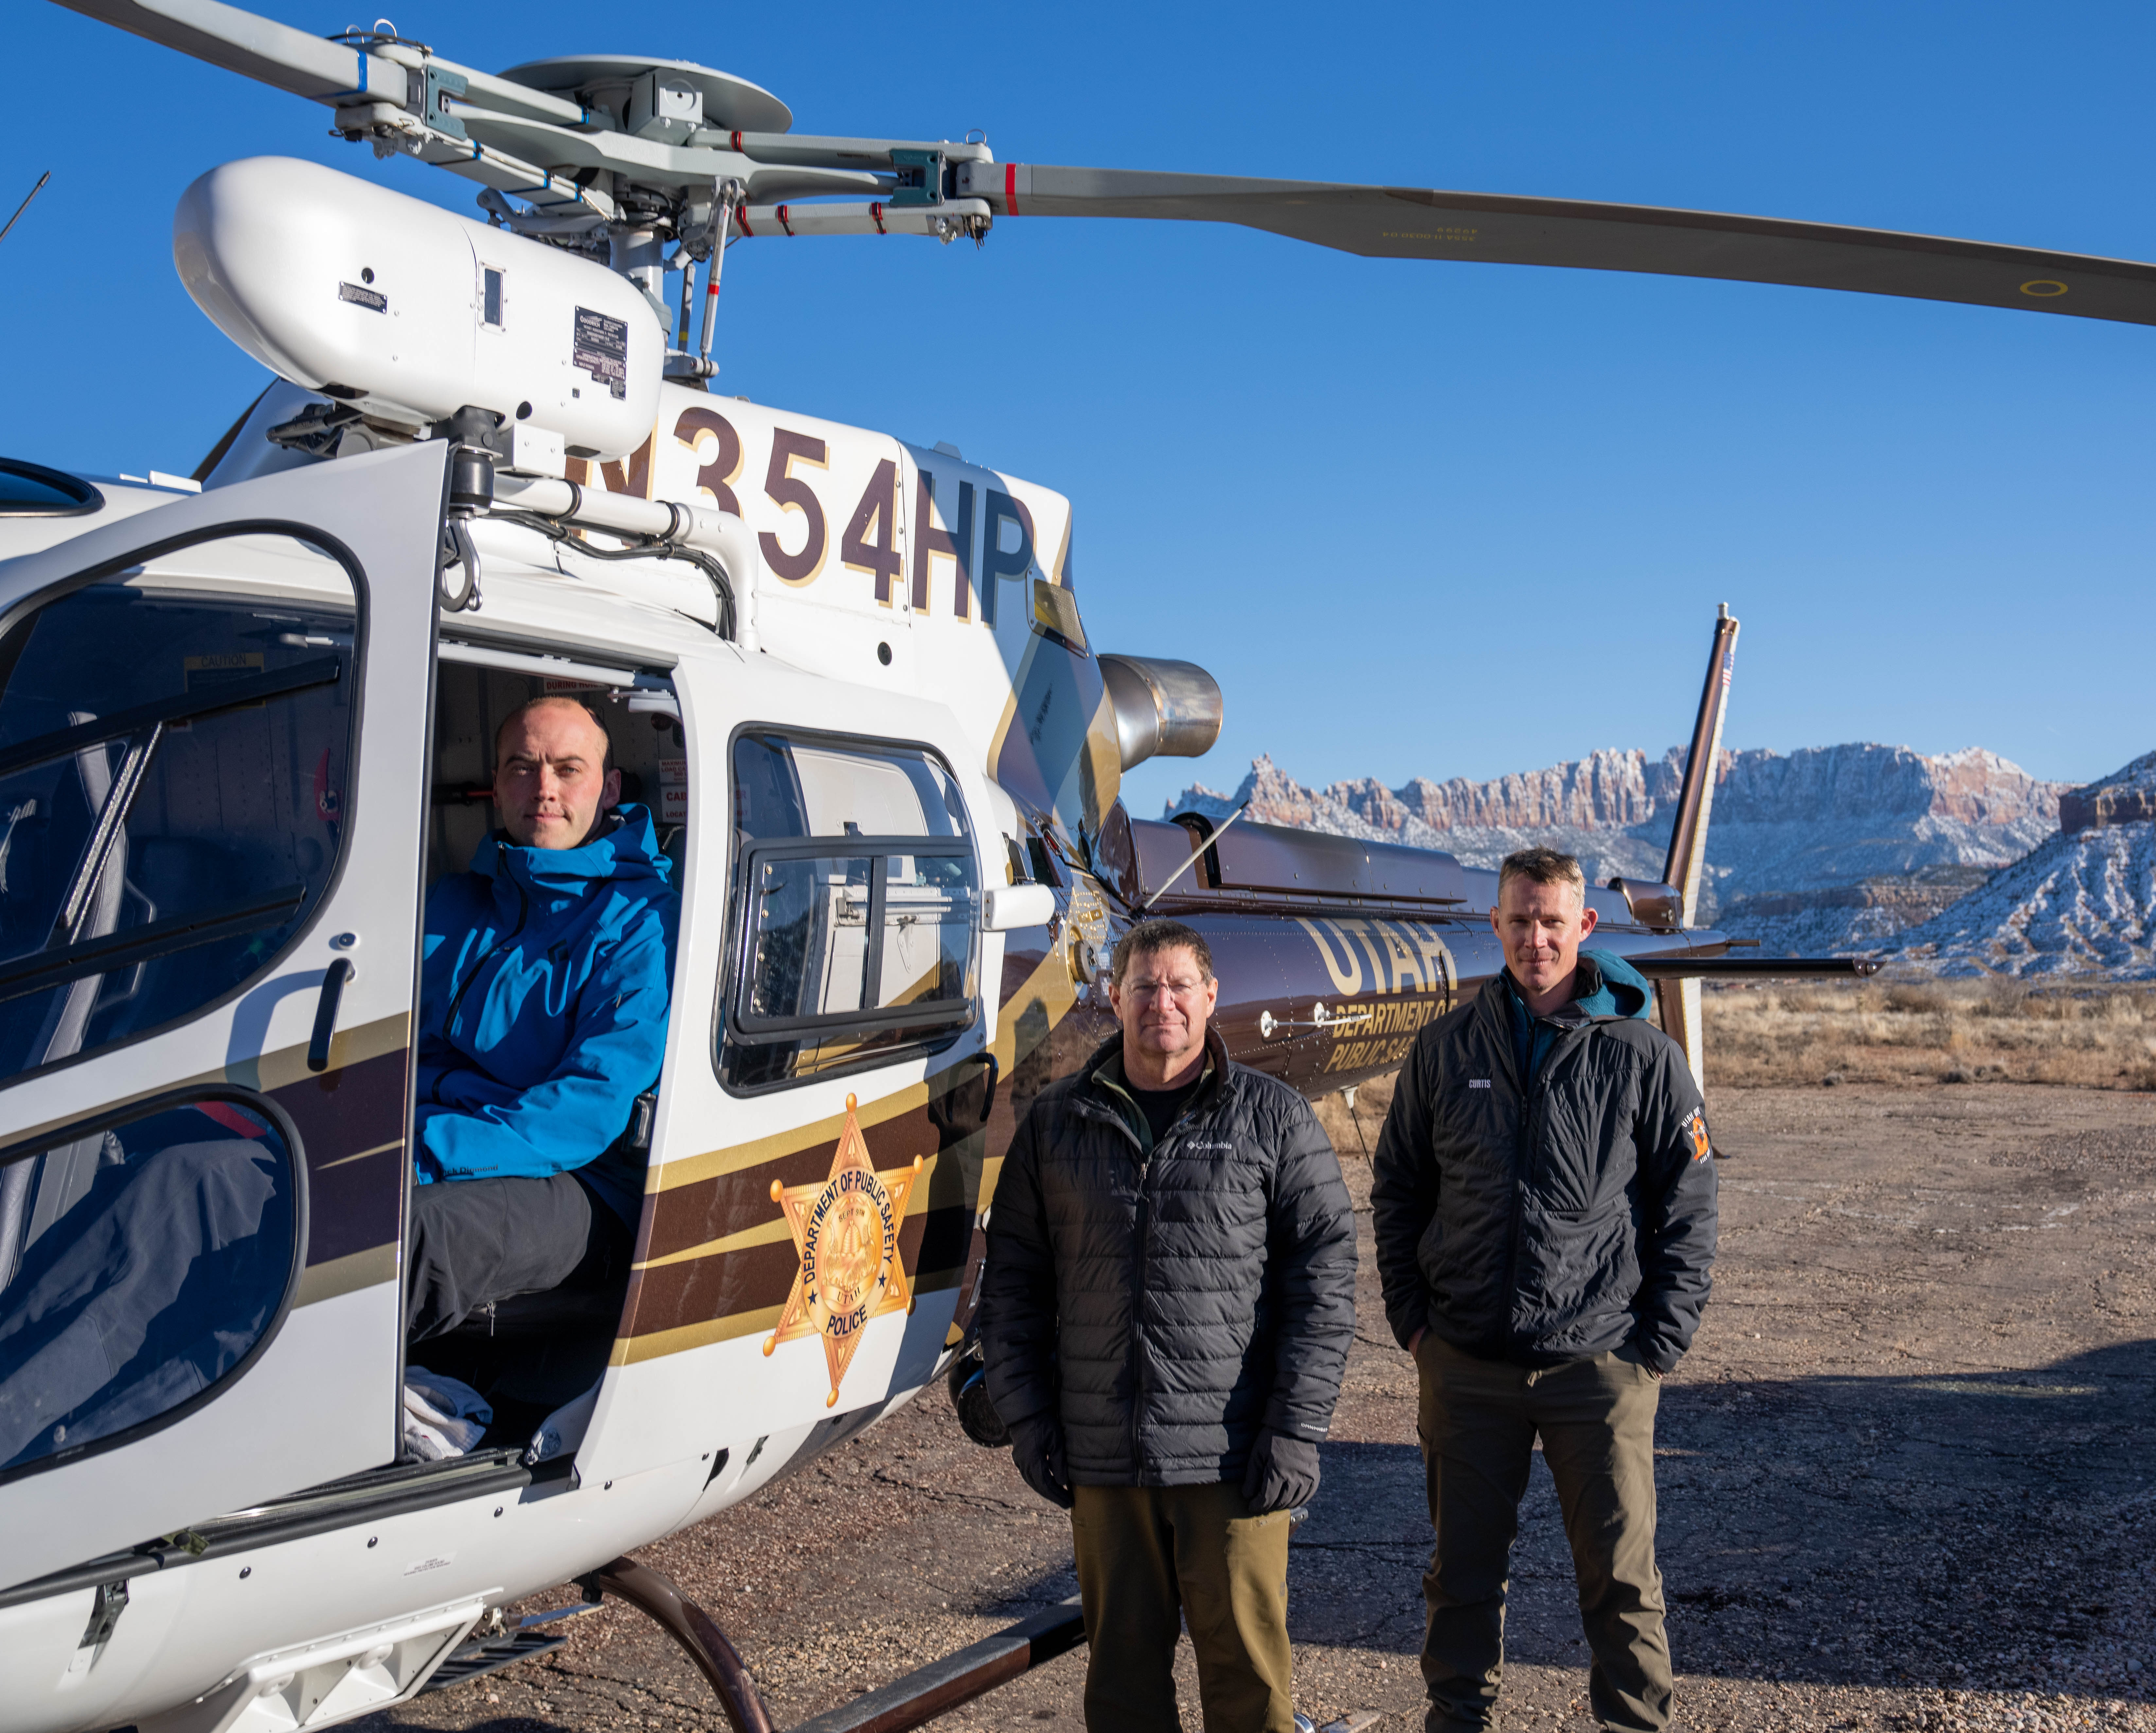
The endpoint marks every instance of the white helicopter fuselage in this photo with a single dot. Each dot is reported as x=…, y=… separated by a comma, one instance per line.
x=898, y=594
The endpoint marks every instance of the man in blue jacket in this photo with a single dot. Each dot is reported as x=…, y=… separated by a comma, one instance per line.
x=1543, y=1199
x=544, y=986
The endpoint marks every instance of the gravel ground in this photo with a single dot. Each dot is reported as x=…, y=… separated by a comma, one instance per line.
x=1904, y=1477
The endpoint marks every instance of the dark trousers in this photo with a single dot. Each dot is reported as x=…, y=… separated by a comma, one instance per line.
x=1478, y=1422
x=1151, y=1558
x=477, y=1242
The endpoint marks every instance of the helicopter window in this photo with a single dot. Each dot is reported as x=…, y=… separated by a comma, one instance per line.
x=491, y=297
x=172, y=767
x=855, y=926
x=141, y=1263
x=33, y=490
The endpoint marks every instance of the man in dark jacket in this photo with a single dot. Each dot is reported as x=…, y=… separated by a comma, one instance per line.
x=1170, y=1297
x=544, y=981
x=1544, y=1203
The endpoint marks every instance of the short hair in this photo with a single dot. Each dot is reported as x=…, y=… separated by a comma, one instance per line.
x=1543, y=866
x=606, y=762
x=1150, y=937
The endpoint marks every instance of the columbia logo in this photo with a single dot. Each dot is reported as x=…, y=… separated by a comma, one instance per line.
x=1221, y=1146
x=1478, y=1082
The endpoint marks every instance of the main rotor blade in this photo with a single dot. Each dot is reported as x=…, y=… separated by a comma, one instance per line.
x=1407, y=223
x=256, y=48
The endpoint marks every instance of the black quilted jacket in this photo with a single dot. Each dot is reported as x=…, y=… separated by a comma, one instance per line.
x=1168, y=1306
x=1549, y=1222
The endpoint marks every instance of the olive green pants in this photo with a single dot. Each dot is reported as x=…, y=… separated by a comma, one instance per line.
x=1151, y=1558
x=1478, y=1422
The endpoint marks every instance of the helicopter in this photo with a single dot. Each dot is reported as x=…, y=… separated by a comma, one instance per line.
x=246, y=720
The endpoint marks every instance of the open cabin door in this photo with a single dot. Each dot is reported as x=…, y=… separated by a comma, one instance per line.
x=816, y=1166
x=213, y=734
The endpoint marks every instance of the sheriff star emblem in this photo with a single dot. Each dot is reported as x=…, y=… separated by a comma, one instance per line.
x=845, y=1231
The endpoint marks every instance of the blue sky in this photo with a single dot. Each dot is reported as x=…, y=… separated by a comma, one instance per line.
x=1418, y=519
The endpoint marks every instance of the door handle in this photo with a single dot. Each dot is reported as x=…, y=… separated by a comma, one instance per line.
x=995, y=1072
x=326, y=1012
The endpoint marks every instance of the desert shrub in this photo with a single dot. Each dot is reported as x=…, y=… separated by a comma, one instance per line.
x=1988, y=1031
x=2002, y=996
x=1907, y=996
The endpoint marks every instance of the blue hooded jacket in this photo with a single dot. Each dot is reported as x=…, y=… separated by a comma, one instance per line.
x=1618, y=989
x=545, y=981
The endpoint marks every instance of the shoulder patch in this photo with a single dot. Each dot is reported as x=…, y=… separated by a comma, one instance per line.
x=1702, y=1145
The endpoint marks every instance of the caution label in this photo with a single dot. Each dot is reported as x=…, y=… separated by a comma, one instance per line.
x=601, y=348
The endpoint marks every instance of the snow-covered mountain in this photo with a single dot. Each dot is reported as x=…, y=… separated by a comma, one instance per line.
x=2083, y=902
x=1834, y=848
x=2126, y=797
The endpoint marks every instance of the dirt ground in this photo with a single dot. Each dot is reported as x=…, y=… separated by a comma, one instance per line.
x=1905, y=1475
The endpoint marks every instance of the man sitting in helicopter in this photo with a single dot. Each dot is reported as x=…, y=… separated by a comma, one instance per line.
x=544, y=982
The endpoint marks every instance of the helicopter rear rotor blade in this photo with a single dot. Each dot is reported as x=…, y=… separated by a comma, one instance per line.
x=1410, y=223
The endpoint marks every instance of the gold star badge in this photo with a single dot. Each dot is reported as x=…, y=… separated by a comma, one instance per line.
x=845, y=1232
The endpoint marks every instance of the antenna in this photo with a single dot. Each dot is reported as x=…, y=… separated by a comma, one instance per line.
x=25, y=204
x=1186, y=865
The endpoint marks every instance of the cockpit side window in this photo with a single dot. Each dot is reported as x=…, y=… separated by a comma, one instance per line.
x=173, y=768
x=856, y=931
x=142, y=1263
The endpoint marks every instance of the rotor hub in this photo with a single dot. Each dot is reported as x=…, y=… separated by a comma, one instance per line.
x=648, y=97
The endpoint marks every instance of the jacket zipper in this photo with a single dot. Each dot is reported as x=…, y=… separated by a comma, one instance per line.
x=1137, y=1298
x=1523, y=1088
x=1138, y=1321
x=1141, y=1220
x=1532, y=1096
x=1521, y=1147
x=486, y=957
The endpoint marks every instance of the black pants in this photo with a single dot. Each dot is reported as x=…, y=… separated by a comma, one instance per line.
x=475, y=1241
x=1478, y=1424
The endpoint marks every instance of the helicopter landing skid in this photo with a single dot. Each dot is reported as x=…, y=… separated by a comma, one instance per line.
x=912, y=1701
x=655, y=1596
x=959, y=1677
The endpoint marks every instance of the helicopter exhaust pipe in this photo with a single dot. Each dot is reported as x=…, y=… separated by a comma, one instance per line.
x=1163, y=709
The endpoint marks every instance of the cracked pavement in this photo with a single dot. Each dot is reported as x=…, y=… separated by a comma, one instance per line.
x=1904, y=1477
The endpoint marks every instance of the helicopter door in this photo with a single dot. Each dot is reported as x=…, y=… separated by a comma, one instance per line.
x=834, y=1005
x=214, y=726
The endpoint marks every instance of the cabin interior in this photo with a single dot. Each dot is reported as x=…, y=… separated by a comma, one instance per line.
x=531, y=1354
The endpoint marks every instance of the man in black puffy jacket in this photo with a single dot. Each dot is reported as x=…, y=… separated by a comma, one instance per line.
x=1544, y=1202
x=1170, y=1297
